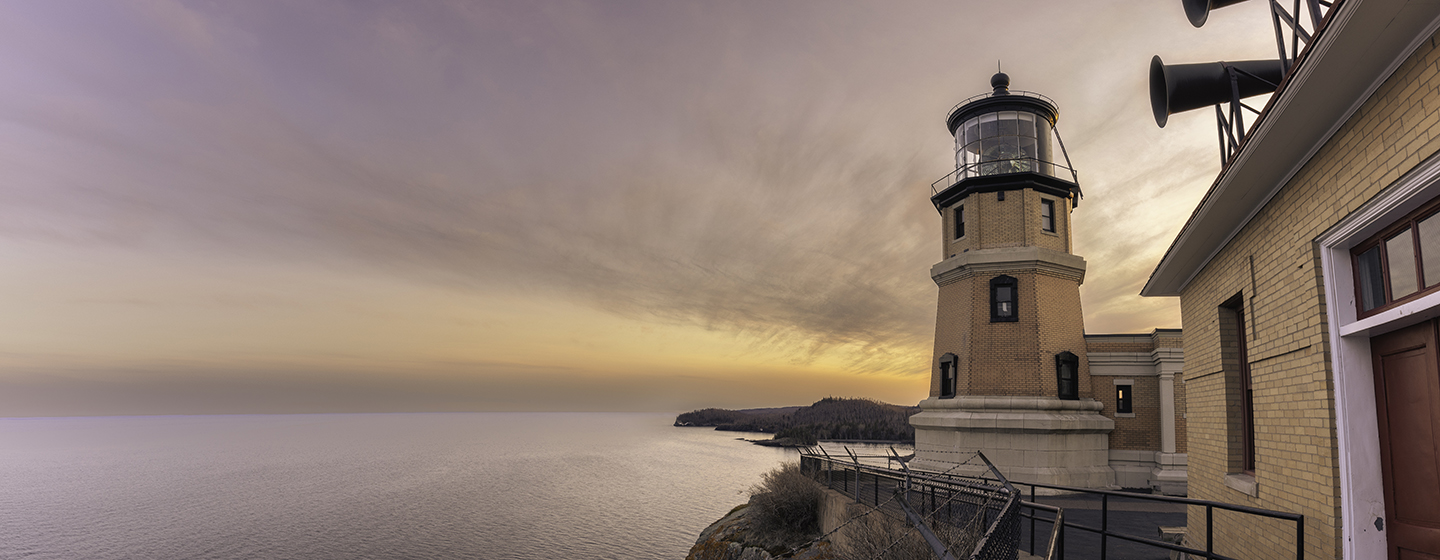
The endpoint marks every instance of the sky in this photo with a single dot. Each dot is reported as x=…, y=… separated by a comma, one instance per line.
x=345, y=206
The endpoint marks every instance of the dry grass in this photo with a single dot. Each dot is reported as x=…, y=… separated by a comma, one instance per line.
x=785, y=507
x=874, y=538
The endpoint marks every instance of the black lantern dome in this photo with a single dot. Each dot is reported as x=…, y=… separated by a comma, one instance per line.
x=1004, y=137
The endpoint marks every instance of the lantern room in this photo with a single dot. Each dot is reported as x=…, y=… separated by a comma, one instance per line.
x=1001, y=134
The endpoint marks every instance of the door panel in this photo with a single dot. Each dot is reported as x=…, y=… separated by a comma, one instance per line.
x=1407, y=395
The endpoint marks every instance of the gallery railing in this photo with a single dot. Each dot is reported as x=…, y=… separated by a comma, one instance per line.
x=1004, y=166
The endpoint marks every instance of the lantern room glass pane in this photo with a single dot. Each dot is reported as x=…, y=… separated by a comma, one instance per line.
x=1400, y=252
x=1429, y=230
x=1027, y=124
x=1372, y=279
x=1004, y=142
x=1009, y=124
x=989, y=125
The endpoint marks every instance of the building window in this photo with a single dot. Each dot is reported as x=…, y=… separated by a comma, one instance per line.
x=947, y=376
x=959, y=221
x=1003, y=299
x=1400, y=263
x=1123, y=396
x=1000, y=196
x=1047, y=215
x=1067, y=376
x=1239, y=394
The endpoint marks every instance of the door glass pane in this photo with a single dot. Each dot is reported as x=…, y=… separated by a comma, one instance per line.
x=1400, y=254
x=1429, y=231
x=1372, y=279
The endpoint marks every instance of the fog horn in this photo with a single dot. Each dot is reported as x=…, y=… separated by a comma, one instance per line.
x=1181, y=87
x=1199, y=10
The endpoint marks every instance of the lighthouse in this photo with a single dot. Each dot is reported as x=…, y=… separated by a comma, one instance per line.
x=1009, y=375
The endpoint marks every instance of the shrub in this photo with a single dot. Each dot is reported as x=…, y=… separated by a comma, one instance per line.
x=874, y=537
x=785, y=507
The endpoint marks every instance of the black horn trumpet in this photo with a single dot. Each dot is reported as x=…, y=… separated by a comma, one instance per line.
x=1199, y=10
x=1181, y=87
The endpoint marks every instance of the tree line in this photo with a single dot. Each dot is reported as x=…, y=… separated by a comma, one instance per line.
x=829, y=418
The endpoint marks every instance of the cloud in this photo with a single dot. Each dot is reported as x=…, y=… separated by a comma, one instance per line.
x=760, y=168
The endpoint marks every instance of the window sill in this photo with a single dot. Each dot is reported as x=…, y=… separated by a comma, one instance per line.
x=1124, y=414
x=1050, y=233
x=1243, y=483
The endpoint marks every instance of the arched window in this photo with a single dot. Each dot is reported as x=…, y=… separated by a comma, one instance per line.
x=1004, y=299
x=1067, y=376
x=947, y=376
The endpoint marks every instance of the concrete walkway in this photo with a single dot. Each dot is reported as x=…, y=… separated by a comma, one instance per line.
x=1127, y=516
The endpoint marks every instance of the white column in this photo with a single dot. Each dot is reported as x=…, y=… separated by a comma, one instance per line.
x=1167, y=411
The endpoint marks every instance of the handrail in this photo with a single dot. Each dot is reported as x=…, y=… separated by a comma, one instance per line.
x=1015, y=92
x=1057, y=529
x=1209, y=505
x=973, y=170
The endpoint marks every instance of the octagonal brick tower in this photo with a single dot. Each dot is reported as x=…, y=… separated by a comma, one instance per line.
x=1009, y=374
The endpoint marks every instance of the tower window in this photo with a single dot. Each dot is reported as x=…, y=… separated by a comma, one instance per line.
x=1123, y=396
x=959, y=221
x=947, y=376
x=1047, y=215
x=1067, y=376
x=1004, y=298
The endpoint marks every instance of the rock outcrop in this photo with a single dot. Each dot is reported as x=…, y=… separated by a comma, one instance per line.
x=732, y=538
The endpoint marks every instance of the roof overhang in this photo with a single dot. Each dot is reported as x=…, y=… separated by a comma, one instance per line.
x=1361, y=46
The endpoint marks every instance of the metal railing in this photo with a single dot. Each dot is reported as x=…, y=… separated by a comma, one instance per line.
x=981, y=514
x=1105, y=533
x=1001, y=167
x=1014, y=92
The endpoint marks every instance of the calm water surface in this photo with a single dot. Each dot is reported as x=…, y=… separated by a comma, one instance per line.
x=482, y=485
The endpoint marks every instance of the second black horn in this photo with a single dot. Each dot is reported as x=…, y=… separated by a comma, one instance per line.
x=1199, y=10
x=1182, y=87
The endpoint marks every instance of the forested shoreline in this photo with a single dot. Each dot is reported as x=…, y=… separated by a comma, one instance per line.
x=829, y=418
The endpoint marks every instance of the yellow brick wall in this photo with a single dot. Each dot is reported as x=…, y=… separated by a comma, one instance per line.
x=991, y=223
x=1398, y=127
x=1143, y=430
x=1009, y=358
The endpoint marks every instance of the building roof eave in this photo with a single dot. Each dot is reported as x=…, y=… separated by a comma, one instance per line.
x=1362, y=45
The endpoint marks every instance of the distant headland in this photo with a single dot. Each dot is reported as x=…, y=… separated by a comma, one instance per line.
x=829, y=419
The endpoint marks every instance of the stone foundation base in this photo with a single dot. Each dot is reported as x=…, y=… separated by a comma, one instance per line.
x=1029, y=439
x=1161, y=473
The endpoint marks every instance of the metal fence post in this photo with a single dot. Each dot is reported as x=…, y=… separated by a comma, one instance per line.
x=1209, y=531
x=1104, y=524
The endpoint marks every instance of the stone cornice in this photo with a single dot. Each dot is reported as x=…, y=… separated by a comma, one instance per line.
x=988, y=261
x=1001, y=403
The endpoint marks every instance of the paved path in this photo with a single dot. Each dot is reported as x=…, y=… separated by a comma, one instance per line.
x=1128, y=516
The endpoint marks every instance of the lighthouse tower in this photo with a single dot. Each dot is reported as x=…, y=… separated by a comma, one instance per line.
x=1009, y=375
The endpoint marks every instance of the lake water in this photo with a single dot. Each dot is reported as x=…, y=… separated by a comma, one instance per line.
x=475, y=485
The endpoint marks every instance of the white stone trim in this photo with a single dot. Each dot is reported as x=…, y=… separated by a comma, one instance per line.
x=1137, y=364
x=1064, y=265
x=1243, y=483
x=1362, y=496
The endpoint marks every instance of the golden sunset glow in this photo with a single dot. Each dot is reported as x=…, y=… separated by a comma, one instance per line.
x=329, y=206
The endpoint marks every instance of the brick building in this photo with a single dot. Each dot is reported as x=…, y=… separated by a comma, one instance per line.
x=1014, y=373
x=1309, y=283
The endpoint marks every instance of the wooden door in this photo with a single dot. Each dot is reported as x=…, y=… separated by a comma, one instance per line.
x=1407, y=402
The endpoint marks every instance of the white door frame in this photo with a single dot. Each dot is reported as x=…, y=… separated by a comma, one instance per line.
x=1362, y=493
